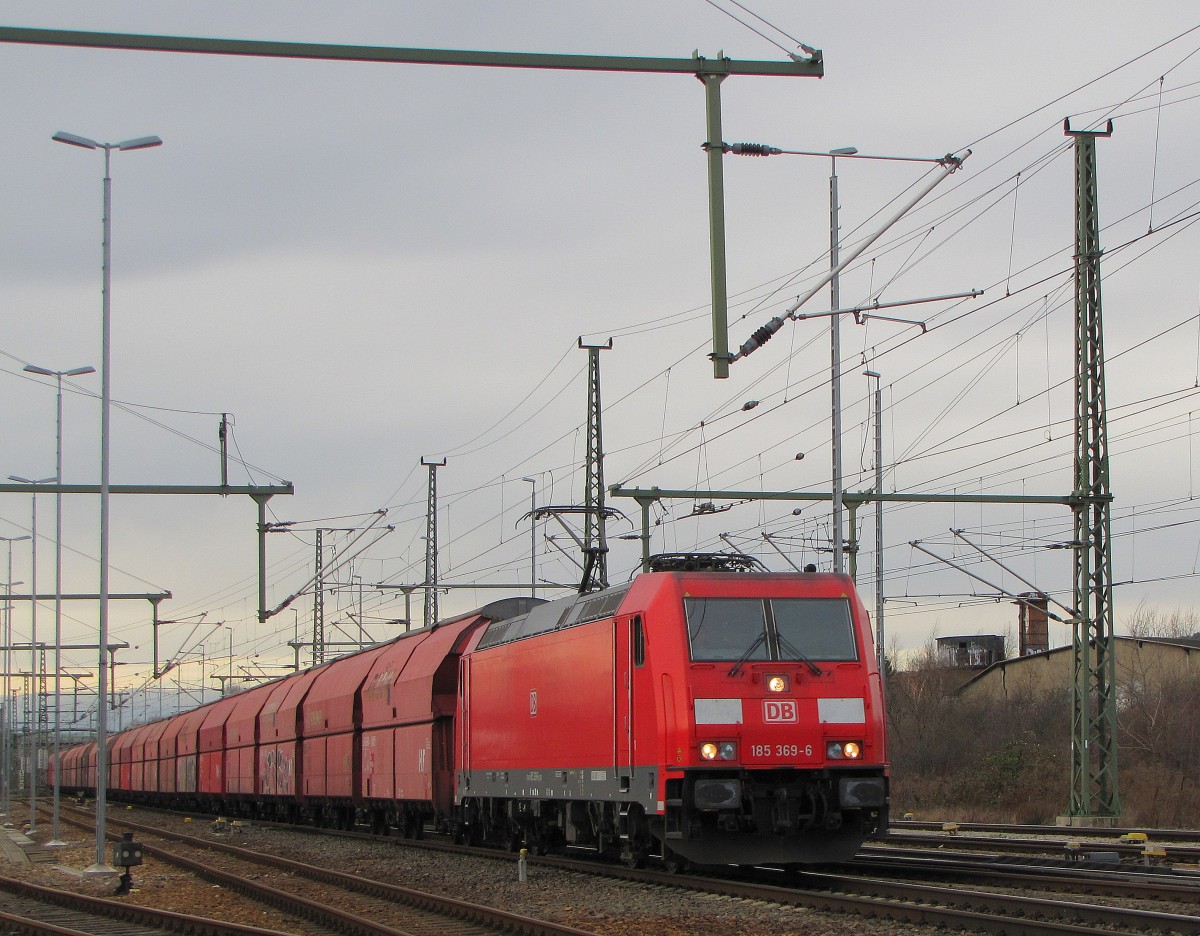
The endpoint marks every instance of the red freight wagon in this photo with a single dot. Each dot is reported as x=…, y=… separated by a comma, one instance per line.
x=121, y=771
x=74, y=768
x=279, y=731
x=380, y=703
x=92, y=770
x=150, y=783
x=241, y=736
x=187, y=751
x=211, y=749
x=408, y=704
x=331, y=744
x=137, y=757
x=168, y=755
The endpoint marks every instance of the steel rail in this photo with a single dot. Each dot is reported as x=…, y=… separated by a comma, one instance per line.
x=1072, y=879
x=1156, y=835
x=1035, y=846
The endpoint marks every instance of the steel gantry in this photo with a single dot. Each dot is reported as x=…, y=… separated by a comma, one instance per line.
x=1094, y=791
x=646, y=497
x=808, y=63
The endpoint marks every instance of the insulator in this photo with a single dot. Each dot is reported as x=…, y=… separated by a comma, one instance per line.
x=761, y=336
x=754, y=149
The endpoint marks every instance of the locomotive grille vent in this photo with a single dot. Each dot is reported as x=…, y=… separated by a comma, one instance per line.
x=593, y=609
x=497, y=631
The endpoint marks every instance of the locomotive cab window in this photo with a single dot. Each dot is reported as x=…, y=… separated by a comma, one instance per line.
x=783, y=629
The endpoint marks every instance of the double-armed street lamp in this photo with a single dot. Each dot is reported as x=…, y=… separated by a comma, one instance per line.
x=58, y=375
x=137, y=143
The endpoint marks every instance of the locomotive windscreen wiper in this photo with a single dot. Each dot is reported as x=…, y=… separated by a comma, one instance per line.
x=785, y=644
x=733, y=670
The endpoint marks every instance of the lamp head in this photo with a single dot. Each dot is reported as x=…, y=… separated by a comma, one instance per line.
x=844, y=151
x=73, y=139
x=139, y=143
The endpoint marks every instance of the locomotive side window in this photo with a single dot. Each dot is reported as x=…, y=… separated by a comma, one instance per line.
x=817, y=628
x=726, y=628
x=639, y=642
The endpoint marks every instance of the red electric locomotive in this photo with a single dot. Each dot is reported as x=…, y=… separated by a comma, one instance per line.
x=710, y=717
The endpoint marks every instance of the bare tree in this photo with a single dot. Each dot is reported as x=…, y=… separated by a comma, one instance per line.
x=1151, y=622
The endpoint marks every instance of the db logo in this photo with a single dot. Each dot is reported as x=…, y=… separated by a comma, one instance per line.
x=781, y=710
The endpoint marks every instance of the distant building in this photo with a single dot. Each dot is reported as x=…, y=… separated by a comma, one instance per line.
x=973, y=652
x=1139, y=662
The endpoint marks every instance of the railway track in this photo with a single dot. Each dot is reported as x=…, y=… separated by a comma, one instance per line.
x=1068, y=878
x=919, y=902
x=1157, y=835
x=1050, y=845
x=323, y=895
x=944, y=907
x=32, y=910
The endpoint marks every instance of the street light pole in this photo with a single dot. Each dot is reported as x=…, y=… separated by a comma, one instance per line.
x=34, y=668
x=532, y=537
x=58, y=375
x=71, y=139
x=6, y=703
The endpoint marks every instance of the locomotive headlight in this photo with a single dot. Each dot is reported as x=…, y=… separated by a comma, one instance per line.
x=852, y=750
x=843, y=750
x=777, y=684
x=723, y=750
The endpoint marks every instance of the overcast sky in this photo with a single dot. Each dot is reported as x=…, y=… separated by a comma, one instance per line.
x=366, y=264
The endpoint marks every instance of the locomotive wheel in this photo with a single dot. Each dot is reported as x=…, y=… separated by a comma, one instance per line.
x=674, y=862
x=636, y=849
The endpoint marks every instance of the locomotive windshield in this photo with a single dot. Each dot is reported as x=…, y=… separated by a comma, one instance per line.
x=785, y=629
